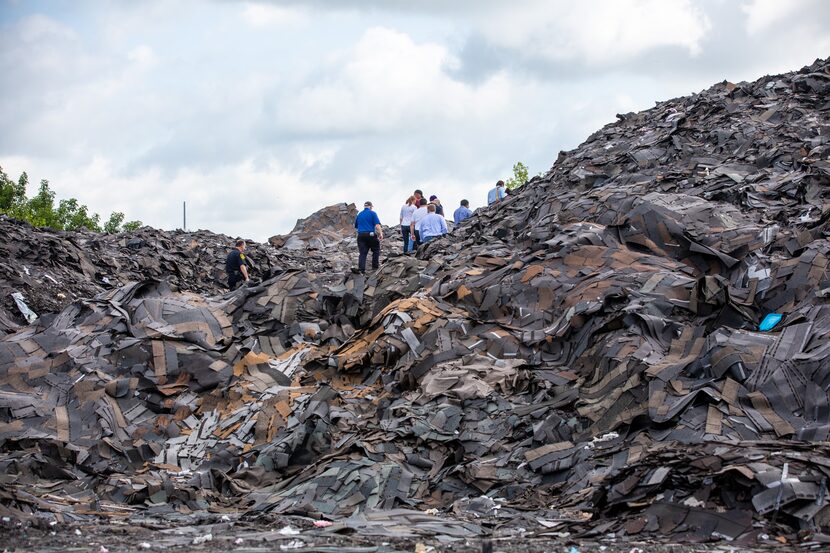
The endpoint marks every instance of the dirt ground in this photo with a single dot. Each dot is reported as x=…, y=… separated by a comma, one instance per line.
x=298, y=535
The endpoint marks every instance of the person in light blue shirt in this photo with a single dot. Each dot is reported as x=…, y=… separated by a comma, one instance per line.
x=463, y=212
x=497, y=194
x=369, y=236
x=432, y=226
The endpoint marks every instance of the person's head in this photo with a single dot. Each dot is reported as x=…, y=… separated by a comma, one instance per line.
x=433, y=198
x=465, y=203
x=418, y=194
x=411, y=200
x=500, y=183
x=367, y=205
x=422, y=202
x=431, y=208
x=240, y=245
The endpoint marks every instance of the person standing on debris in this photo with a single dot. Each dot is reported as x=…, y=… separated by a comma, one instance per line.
x=439, y=209
x=432, y=226
x=406, y=220
x=497, y=194
x=419, y=214
x=369, y=235
x=463, y=212
x=236, y=265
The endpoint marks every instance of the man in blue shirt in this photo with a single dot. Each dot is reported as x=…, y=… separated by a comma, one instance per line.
x=497, y=194
x=369, y=235
x=431, y=226
x=462, y=212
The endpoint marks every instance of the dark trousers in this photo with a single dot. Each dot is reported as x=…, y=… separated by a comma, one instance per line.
x=234, y=279
x=417, y=238
x=366, y=242
x=405, y=234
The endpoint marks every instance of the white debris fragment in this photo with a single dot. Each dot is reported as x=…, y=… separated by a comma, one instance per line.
x=288, y=531
x=599, y=439
x=202, y=539
x=145, y=545
x=27, y=313
x=77, y=532
x=293, y=544
x=238, y=541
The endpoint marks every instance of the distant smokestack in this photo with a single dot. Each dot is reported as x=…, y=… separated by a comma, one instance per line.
x=184, y=216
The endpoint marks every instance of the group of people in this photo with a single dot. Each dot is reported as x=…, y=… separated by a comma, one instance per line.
x=421, y=221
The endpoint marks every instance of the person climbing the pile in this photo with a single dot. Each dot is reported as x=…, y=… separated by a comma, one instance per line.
x=463, y=212
x=497, y=194
x=439, y=209
x=432, y=226
x=419, y=214
x=236, y=265
x=369, y=236
x=406, y=220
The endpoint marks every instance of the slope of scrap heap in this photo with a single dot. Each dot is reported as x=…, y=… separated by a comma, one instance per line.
x=582, y=357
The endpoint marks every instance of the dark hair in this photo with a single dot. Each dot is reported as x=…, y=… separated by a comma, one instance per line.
x=418, y=192
x=423, y=201
x=500, y=183
x=465, y=203
x=240, y=243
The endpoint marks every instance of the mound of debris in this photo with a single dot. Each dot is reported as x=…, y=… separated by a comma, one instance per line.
x=44, y=271
x=325, y=227
x=584, y=358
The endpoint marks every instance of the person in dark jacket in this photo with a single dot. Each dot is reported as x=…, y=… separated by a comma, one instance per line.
x=236, y=265
x=439, y=209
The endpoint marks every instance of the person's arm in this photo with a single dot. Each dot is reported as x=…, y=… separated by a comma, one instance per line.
x=379, y=231
x=244, y=270
x=444, y=226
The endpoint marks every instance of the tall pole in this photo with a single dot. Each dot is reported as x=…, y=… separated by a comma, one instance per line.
x=184, y=216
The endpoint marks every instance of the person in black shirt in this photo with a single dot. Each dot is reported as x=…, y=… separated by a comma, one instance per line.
x=236, y=265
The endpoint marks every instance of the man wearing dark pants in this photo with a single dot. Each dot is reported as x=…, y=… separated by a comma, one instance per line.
x=369, y=235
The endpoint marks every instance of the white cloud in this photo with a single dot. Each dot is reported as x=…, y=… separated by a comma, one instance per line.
x=270, y=15
x=387, y=82
x=761, y=14
x=598, y=32
x=143, y=56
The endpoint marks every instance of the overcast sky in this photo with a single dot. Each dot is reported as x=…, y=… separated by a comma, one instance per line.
x=259, y=113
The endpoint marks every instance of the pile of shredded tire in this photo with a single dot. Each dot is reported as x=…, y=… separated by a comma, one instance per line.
x=585, y=358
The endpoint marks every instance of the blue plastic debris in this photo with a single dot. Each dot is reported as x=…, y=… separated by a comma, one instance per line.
x=770, y=321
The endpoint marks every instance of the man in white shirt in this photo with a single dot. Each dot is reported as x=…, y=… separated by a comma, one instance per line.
x=406, y=221
x=419, y=214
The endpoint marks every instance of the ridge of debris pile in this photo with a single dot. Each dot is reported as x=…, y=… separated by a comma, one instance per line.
x=48, y=270
x=581, y=359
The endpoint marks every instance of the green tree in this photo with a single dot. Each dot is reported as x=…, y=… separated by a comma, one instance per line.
x=40, y=210
x=113, y=225
x=12, y=194
x=130, y=226
x=519, y=176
